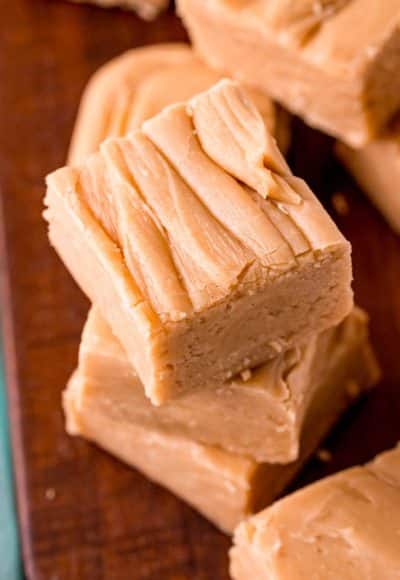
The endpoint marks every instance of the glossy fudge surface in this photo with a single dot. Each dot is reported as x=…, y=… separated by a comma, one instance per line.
x=201, y=250
x=260, y=414
x=225, y=487
x=332, y=62
x=140, y=83
x=345, y=526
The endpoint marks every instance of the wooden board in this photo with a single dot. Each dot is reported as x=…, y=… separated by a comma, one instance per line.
x=82, y=514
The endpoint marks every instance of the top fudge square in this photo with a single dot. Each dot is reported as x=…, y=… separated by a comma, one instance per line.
x=333, y=62
x=201, y=250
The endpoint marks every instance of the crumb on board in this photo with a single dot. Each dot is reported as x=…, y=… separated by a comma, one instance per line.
x=246, y=375
x=324, y=455
x=50, y=493
x=340, y=204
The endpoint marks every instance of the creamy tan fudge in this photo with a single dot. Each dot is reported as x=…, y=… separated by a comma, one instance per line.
x=146, y=9
x=139, y=84
x=376, y=168
x=201, y=250
x=224, y=486
x=260, y=414
x=345, y=526
x=333, y=62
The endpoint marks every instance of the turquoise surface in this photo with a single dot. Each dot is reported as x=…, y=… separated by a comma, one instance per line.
x=10, y=564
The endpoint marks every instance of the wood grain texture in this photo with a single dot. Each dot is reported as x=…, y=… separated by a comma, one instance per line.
x=82, y=514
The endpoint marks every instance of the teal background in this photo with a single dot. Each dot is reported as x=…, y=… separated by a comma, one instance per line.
x=10, y=566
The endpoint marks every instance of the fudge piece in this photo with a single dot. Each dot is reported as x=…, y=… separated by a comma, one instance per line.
x=376, y=168
x=139, y=84
x=223, y=486
x=201, y=250
x=345, y=526
x=146, y=9
x=260, y=414
x=332, y=62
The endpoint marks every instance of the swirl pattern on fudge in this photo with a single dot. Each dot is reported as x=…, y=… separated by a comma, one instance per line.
x=170, y=198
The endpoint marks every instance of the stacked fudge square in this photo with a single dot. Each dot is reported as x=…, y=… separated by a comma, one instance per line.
x=222, y=343
x=335, y=63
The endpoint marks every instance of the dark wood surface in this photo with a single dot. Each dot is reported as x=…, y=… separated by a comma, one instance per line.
x=83, y=515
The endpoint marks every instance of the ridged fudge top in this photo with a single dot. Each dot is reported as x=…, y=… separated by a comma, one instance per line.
x=345, y=33
x=345, y=526
x=138, y=85
x=200, y=202
x=297, y=20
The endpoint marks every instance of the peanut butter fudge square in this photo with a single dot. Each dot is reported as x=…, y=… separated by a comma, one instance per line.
x=333, y=62
x=224, y=486
x=345, y=526
x=260, y=414
x=201, y=250
x=140, y=83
